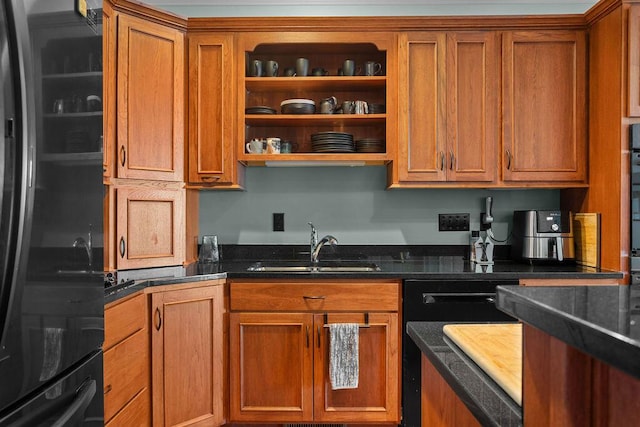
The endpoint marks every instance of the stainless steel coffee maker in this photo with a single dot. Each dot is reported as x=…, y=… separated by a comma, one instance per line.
x=542, y=236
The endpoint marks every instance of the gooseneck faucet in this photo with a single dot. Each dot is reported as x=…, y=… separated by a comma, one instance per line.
x=80, y=242
x=316, y=245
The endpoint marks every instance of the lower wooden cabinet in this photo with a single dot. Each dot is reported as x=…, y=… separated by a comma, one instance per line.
x=187, y=341
x=279, y=352
x=126, y=363
x=441, y=406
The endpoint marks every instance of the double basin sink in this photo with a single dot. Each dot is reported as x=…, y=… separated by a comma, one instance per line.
x=309, y=267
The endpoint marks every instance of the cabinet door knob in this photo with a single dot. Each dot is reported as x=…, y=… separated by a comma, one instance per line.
x=123, y=155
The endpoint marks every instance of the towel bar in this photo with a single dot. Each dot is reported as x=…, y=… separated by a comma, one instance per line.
x=365, y=325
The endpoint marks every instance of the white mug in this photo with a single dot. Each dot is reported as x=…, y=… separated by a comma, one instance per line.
x=255, y=146
x=360, y=107
x=273, y=145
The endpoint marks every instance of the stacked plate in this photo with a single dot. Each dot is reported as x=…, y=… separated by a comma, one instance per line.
x=370, y=145
x=377, y=108
x=259, y=110
x=332, y=142
x=298, y=106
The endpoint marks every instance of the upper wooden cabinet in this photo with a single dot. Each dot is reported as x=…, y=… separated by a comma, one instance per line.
x=633, y=32
x=150, y=225
x=449, y=107
x=108, y=89
x=212, y=107
x=150, y=100
x=544, y=107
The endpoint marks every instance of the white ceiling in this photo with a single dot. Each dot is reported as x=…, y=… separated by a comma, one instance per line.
x=371, y=7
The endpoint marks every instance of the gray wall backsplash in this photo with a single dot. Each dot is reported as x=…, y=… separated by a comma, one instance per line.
x=352, y=204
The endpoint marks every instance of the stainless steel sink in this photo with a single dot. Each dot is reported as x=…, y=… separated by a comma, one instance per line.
x=306, y=267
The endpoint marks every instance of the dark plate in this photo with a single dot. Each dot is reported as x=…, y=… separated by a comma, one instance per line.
x=259, y=110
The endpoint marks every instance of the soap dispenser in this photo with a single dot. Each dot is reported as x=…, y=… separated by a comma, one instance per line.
x=475, y=234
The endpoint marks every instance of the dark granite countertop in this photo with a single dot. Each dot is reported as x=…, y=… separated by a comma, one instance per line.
x=394, y=262
x=436, y=267
x=402, y=262
x=602, y=321
x=486, y=400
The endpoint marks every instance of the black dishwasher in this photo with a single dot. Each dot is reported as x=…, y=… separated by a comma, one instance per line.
x=441, y=301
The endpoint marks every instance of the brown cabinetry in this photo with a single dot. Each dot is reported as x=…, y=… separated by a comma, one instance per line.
x=633, y=98
x=328, y=51
x=212, y=111
x=150, y=220
x=279, y=351
x=544, y=106
x=449, y=120
x=150, y=225
x=127, y=392
x=150, y=100
x=441, y=406
x=187, y=341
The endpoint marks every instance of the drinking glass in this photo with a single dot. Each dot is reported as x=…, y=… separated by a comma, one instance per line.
x=209, y=250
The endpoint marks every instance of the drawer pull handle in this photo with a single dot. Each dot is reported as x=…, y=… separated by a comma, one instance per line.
x=508, y=160
x=211, y=178
x=123, y=155
x=319, y=335
x=307, y=328
x=442, y=160
x=123, y=247
x=158, y=319
x=314, y=297
x=452, y=160
x=107, y=389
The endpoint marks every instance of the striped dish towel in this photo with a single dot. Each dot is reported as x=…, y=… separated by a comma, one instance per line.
x=343, y=355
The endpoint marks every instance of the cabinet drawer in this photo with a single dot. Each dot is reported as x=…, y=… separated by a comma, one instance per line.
x=135, y=413
x=126, y=372
x=316, y=295
x=124, y=319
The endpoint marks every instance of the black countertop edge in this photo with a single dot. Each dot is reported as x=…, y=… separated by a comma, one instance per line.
x=482, y=396
x=240, y=274
x=601, y=321
x=122, y=290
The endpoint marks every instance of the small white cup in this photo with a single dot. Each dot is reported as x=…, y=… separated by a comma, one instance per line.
x=273, y=145
x=256, y=146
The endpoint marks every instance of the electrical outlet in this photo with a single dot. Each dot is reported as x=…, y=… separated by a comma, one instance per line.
x=453, y=222
x=278, y=222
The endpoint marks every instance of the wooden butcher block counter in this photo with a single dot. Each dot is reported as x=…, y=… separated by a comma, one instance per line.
x=496, y=349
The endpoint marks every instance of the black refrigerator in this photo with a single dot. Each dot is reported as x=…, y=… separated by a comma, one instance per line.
x=51, y=213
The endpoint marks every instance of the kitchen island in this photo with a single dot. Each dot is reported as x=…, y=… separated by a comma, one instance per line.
x=581, y=358
x=483, y=398
x=581, y=354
